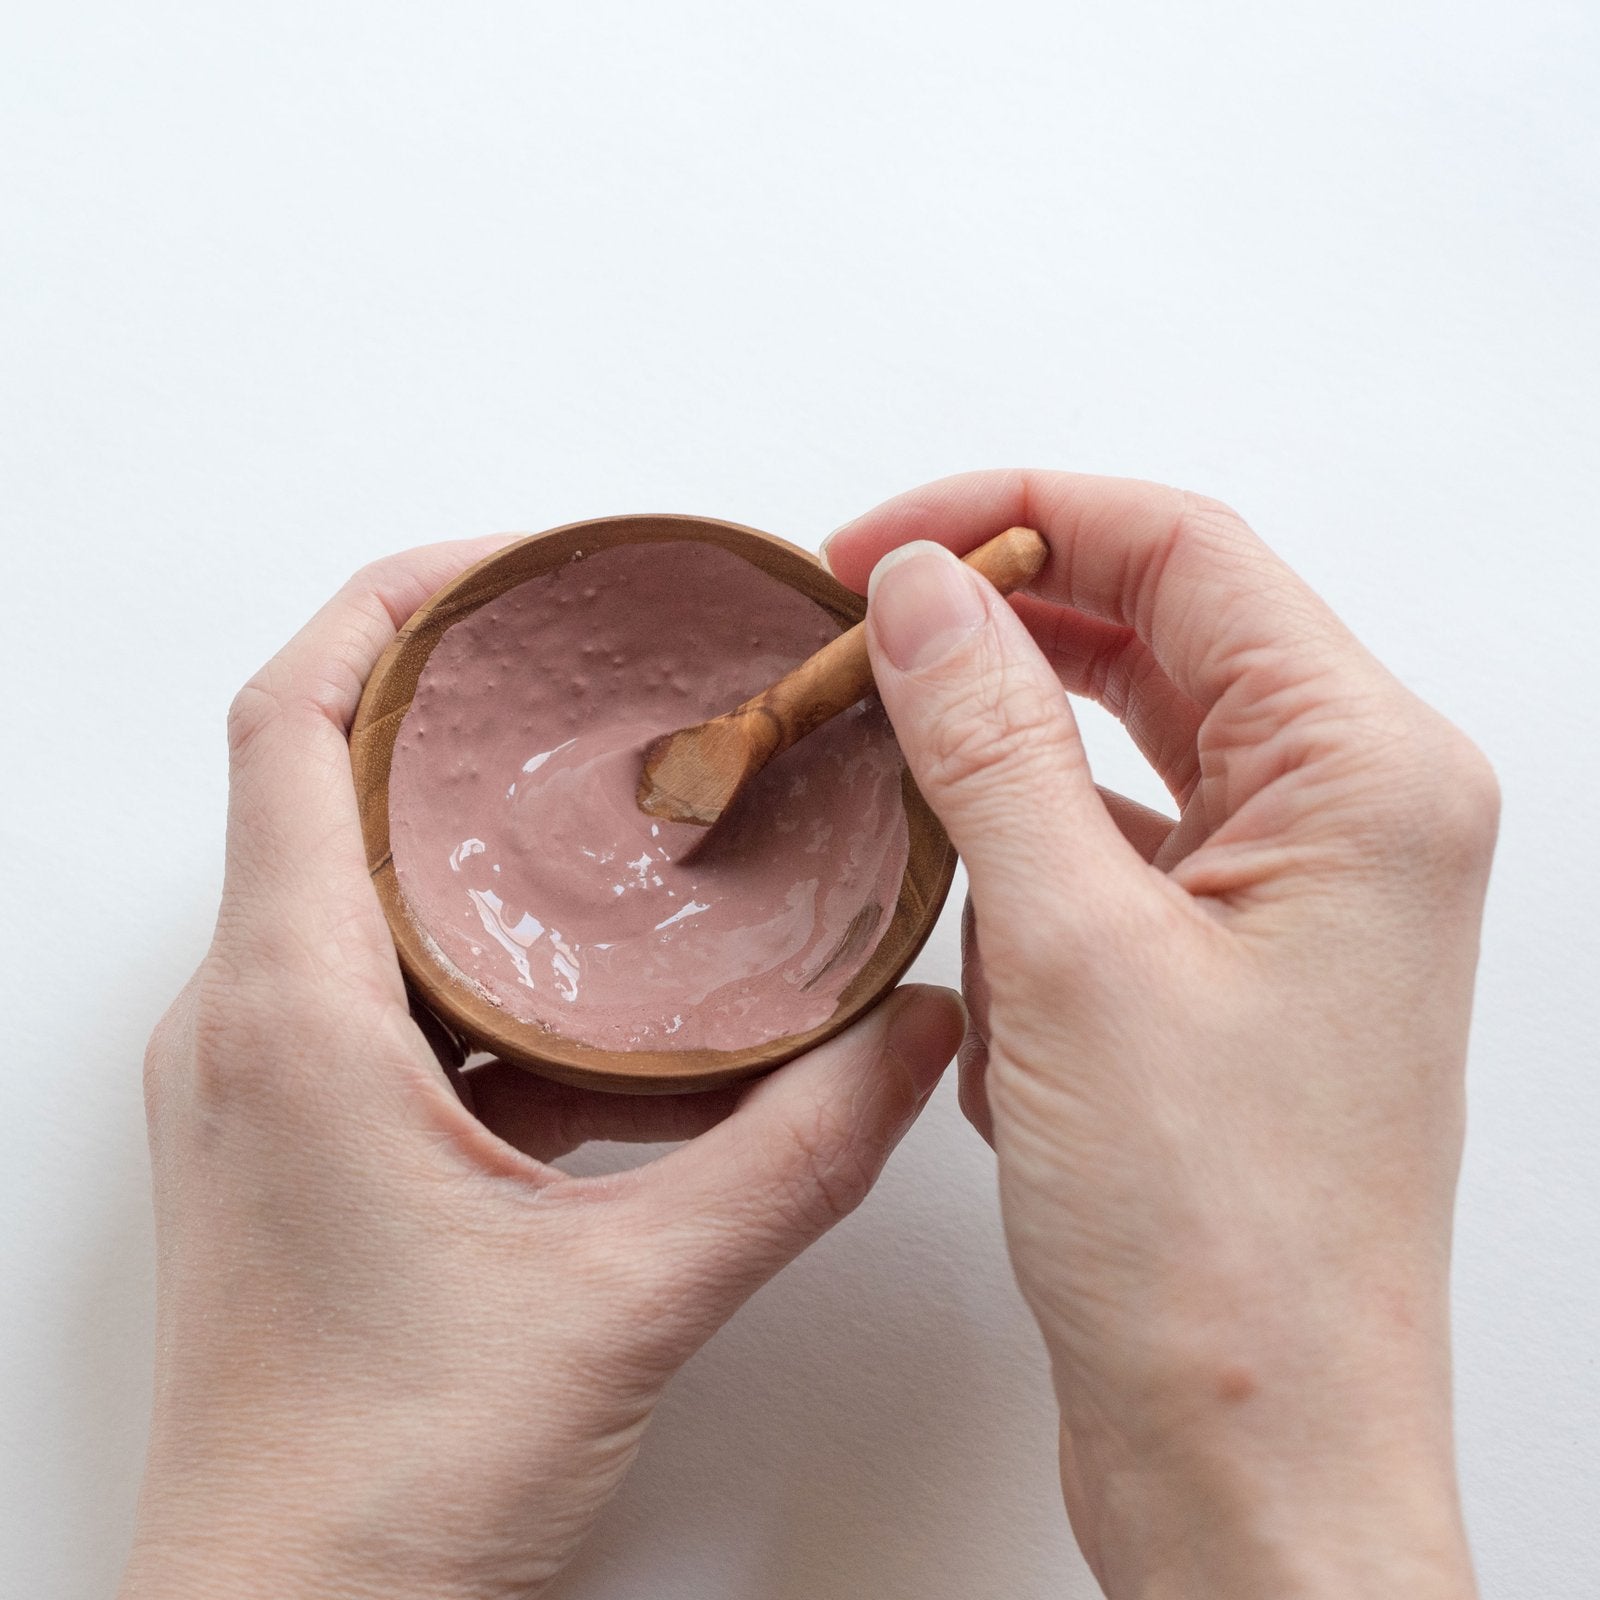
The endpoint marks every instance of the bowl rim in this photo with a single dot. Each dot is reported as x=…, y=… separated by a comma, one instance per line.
x=479, y=1023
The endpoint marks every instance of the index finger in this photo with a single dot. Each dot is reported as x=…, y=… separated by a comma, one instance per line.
x=294, y=848
x=1185, y=573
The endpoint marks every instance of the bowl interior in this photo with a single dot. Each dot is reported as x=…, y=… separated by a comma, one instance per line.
x=930, y=861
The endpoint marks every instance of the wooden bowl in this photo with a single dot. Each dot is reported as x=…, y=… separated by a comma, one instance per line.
x=482, y=1025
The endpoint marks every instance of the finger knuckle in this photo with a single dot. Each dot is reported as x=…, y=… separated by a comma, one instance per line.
x=370, y=576
x=972, y=1088
x=1467, y=795
x=998, y=730
x=158, y=1047
x=1208, y=517
x=831, y=1176
x=229, y=1030
x=371, y=582
x=163, y=1049
x=374, y=590
x=1432, y=801
x=254, y=709
x=1202, y=531
x=249, y=1036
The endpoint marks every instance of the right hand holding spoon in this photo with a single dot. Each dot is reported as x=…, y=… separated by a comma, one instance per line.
x=1220, y=1060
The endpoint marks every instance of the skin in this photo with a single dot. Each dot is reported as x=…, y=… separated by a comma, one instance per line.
x=1219, y=1058
x=397, y=1353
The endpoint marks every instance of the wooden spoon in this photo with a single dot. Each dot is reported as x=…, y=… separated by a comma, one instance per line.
x=693, y=775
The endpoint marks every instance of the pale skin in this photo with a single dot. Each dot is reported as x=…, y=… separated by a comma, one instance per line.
x=1220, y=1060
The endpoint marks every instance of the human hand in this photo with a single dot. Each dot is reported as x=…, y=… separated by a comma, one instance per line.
x=397, y=1353
x=1220, y=1060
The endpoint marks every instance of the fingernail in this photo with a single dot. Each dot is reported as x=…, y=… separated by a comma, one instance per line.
x=822, y=551
x=925, y=1033
x=922, y=603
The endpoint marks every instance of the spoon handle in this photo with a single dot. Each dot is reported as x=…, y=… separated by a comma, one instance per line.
x=840, y=673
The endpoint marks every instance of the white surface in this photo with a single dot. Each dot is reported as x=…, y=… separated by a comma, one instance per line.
x=287, y=287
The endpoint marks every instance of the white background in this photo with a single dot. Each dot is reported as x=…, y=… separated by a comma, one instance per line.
x=289, y=286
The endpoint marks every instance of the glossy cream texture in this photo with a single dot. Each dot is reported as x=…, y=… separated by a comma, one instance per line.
x=522, y=856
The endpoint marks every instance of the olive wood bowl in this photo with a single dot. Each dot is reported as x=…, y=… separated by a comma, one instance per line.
x=482, y=1025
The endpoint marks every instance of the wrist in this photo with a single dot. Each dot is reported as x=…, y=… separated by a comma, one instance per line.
x=1246, y=1484
x=1235, y=1531
x=452, y=1505
x=238, y=1566
x=354, y=1552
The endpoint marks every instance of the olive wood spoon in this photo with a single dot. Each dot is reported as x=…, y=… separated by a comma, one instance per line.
x=693, y=775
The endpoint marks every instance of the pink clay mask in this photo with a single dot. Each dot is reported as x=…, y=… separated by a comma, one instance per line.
x=539, y=883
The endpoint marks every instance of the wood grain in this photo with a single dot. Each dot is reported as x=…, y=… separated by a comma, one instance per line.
x=479, y=1023
x=694, y=774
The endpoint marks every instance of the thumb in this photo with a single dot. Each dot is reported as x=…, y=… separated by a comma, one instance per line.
x=989, y=735
x=803, y=1147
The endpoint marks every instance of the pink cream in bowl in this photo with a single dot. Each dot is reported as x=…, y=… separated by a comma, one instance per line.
x=535, y=879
